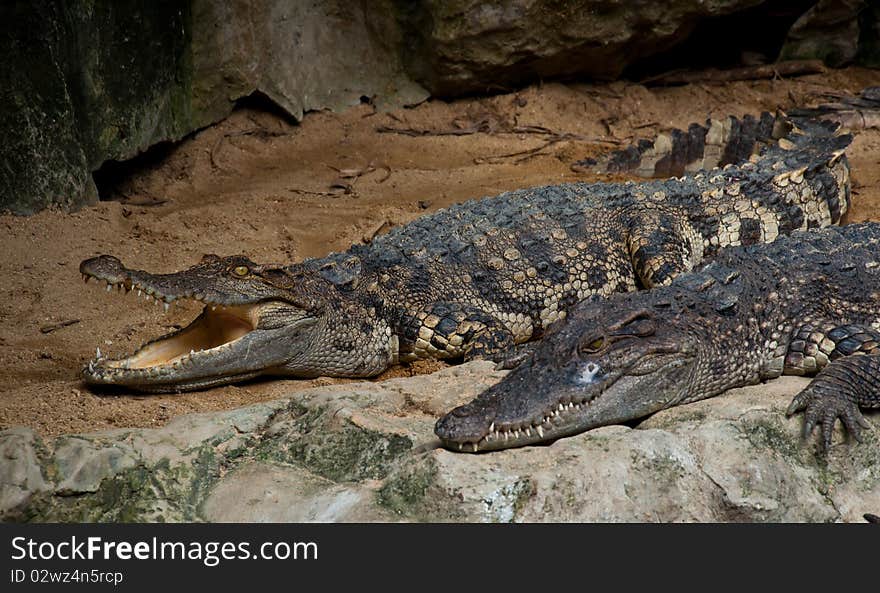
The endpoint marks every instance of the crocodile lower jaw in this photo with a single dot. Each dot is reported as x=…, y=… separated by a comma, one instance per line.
x=217, y=329
x=504, y=437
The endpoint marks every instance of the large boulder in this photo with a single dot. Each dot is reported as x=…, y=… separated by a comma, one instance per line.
x=304, y=56
x=831, y=30
x=87, y=82
x=468, y=46
x=365, y=452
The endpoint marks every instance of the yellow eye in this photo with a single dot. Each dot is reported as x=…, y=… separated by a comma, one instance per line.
x=593, y=346
x=241, y=271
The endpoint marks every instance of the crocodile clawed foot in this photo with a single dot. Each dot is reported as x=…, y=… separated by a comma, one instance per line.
x=823, y=406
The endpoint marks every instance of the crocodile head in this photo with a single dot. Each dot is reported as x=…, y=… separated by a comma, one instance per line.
x=257, y=319
x=606, y=365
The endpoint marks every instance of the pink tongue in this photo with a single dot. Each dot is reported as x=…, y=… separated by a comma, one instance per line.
x=210, y=330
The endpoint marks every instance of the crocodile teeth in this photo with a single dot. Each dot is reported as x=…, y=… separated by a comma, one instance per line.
x=474, y=445
x=97, y=353
x=109, y=287
x=540, y=431
x=167, y=306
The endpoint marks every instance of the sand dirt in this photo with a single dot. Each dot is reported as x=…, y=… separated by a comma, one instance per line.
x=259, y=185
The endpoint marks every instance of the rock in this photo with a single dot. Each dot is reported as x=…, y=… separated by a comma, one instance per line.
x=366, y=452
x=85, y=83
x=828, y=31
x=90, y=82
x=869, y=36
x=471, y=46
x=82, y=465
x=283, y=494
x=302, y=55
x=20, y=473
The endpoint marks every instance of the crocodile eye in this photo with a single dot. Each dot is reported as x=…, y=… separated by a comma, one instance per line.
x=241, y=271
x=592, y=347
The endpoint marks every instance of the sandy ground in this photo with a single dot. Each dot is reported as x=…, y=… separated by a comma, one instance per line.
x=258, y=185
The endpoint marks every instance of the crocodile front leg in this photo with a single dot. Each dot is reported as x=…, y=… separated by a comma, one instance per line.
x=813, y=346
x=662, y=244
x=842, y=387
x=453, y=330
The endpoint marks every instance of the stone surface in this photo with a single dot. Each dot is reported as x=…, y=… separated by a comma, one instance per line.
x=302, y=55
x=366, y=452
x=87, y=82
x=282, y=493
x=828, y=31
x=869, y=36
x=20, y=473
x=468, y=46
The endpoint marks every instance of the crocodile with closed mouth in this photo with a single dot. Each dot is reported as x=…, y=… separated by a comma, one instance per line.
x=804, y=304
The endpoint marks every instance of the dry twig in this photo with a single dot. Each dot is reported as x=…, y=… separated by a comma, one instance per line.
x=494, y=125
x=344, y=183
x=763, y=71
x=48, y=329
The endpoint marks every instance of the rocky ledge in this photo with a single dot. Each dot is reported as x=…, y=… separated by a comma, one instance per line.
x=366, y=452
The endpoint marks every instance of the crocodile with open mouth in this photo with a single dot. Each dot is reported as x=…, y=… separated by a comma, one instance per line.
x=800, y=305
x=479, y=278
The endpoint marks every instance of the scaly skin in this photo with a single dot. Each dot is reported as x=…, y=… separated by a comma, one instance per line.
x=479, y=278
x=838, y=392
x=804, y=304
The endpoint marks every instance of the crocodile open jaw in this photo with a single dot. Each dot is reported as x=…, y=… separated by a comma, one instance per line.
x=214, y=349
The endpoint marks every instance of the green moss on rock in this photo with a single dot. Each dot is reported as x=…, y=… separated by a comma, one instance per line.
x=346, y=452
x=163, y=491
x=767, y=433
x=406, y=491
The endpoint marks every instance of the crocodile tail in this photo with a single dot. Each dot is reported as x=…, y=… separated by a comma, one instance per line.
x=734, y=140
x=851, y=112
x=675, y=152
